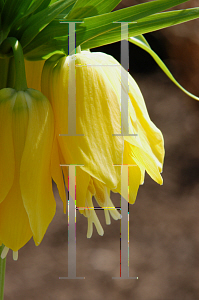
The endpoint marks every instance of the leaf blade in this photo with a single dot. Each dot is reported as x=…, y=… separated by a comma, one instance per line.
x=145, y=25
x=138, y=42
x=84, y=8
x=41, y=20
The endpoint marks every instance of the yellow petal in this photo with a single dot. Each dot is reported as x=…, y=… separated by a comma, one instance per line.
x=149, y=137
x=145, y=160
x=14, y=224
x=149, y=145
x=135, y=175
x=7, y=163
x=82, y=182
x=35, y=177
x=33, y=73
x=56, y=172
x=15, y=230
x=98, y=118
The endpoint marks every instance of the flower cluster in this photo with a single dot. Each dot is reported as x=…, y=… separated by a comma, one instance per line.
x=33, y=132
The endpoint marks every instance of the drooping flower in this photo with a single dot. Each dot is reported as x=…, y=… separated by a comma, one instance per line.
x=98, y=117
x=27, y=204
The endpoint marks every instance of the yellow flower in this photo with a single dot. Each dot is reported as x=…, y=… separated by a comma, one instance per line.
x=98, y=117
x=27, y=204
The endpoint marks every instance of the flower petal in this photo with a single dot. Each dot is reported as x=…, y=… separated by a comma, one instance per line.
x=14, y=224
x=35, y=177
x=149, y=144
x=33, y=73
x=82, y=182
x=98, y=118
x=150, y=136
x=144, y=160
x=56, y=172
x=15, y=230
x=135, y=173
x=7, y=163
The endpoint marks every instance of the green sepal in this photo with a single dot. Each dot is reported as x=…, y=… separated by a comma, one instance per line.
x=139, y=41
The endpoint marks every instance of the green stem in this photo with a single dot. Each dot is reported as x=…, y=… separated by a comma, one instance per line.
x=2, y=273
x=20, y=78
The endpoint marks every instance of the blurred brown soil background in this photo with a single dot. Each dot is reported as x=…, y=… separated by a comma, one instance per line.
x=164, y=223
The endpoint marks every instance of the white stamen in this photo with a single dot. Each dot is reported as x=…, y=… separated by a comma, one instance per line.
x=92, y=218
x=15, y=255
x=96, y=221
x=90, y=228
x=113, y=211
x=4, y=252
x=107, y=217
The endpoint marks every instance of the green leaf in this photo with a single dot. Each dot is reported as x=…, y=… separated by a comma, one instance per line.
x=47, y=50
x=65, y=12
x=12, y=11
x=41, y=20
x=145, y=25
x=1, y=5
x=145, y=46
x=163, y=20
x=61, y=30
x=46, y=37
x=36, y=6
x=104, y=23
x=43, y=5
x=53, y=1
x=84, y=8
x=98, y=29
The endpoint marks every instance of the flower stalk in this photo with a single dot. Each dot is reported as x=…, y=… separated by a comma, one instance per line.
x=20, y=74
x=2, y=273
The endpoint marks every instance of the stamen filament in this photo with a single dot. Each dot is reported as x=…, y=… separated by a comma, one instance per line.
x=4, y=252
x=15, y=255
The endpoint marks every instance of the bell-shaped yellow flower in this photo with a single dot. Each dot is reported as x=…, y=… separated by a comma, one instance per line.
x=27, y=204
x=98, y=118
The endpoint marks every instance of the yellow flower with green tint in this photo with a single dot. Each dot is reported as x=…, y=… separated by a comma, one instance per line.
x=98, y=117
x=27, y=203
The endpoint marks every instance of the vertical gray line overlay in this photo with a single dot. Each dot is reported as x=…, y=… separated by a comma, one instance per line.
x=124, y=226
x=71, y=81
x=124, y=81
x=71, y=225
